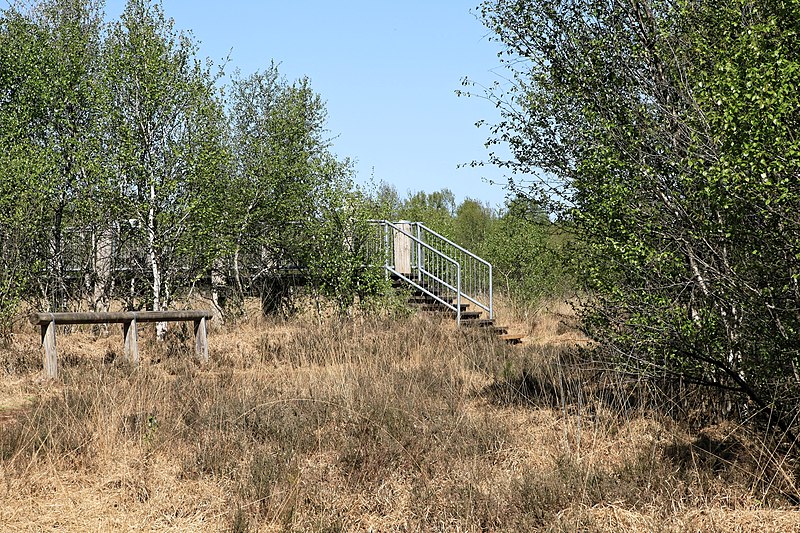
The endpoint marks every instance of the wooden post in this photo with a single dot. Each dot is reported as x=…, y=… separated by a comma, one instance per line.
x=49, y=343
x=201, y=339
x=402, y=248
x=131, y=350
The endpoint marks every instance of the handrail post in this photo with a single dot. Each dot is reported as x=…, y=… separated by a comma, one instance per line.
x=458, y=294
x=491, y=293
x=386, y=250
x=419, y=253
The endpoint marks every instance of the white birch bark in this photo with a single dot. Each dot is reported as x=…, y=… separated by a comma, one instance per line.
x=161, y=327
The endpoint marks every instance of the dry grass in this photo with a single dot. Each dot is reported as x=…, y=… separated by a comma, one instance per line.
x=366, y=424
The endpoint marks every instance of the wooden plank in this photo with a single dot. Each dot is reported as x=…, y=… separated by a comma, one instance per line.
x=201, y=339
x=131, y=349
x=402, y=248
x=120, y=317
x=49, y=342
x=512, y=338
x=483, y=323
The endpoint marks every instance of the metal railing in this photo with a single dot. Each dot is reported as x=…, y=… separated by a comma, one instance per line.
x=433, y=264
x=476, y=272
x=401, y=254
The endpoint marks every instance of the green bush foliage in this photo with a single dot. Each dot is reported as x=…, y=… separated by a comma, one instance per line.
x=664, y=131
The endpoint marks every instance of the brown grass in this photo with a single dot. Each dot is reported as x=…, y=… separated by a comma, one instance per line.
x=366, y=424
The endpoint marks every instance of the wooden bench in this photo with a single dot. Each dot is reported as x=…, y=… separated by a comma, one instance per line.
x=129, y=320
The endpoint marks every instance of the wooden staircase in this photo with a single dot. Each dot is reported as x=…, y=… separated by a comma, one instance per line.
x=470, y=318
x=439, y=275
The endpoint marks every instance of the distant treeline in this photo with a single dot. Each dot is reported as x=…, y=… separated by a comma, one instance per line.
x=525, y=248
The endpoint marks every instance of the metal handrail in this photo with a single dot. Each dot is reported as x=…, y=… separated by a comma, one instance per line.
x=488, y=286
x=420, y=242
x=451, y=243
x=473, y=273
x=420, y=270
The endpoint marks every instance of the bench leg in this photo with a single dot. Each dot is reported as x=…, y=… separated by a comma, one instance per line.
x=49, y=343
x=201, y=339
x=131, y=350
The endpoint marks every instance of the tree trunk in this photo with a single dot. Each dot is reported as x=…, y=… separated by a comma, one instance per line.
x=219, y=288
x=57, y=290
x=161, y=327
x=101, y=286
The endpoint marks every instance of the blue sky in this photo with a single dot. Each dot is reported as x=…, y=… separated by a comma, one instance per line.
x=388, y=71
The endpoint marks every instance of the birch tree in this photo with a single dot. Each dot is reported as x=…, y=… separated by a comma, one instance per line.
x=52, y=116
x=282, y=179
x=667, y=132
x=166, y=131
x=22, y=162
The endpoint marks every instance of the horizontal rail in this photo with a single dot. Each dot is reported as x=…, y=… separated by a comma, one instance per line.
x=422, y=243
x=423, y=289
x=454, y=245
x=119, y=317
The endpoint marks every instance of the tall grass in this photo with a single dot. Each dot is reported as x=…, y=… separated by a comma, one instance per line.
x=408, y=424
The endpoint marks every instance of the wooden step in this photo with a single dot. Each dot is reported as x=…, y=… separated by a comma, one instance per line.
x=431, y=290
x=426, y=299
x=486, y=324
x=493, y=331
x=499, y=332
x=419, y=299
x=423, y=301
x=482, y=323
x=512, y=338
x=418, y=292
x=435, y=306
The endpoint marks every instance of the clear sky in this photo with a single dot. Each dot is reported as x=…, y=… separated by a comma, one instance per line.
x=388, y=71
